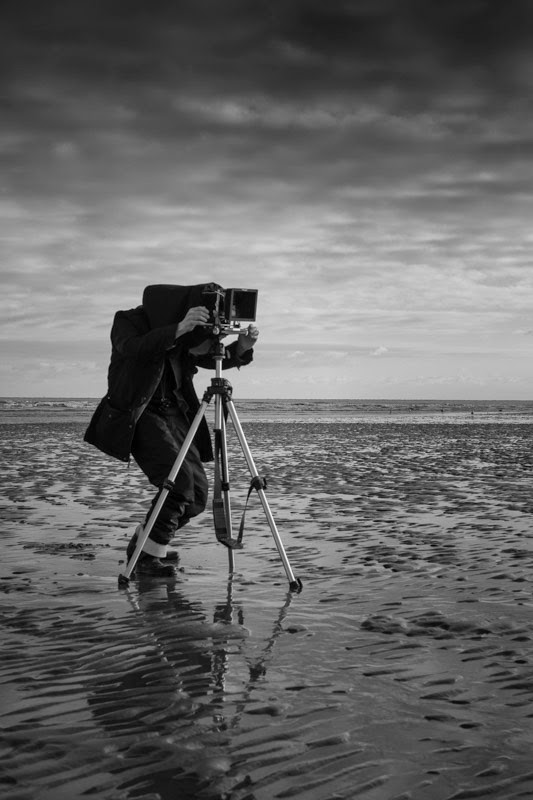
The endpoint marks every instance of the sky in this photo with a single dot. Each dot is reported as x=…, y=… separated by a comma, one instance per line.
x=365, y=165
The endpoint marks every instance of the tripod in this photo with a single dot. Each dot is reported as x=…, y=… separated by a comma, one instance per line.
x=221, y=390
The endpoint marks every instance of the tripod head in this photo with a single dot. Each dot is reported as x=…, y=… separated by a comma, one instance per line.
x=217, y=349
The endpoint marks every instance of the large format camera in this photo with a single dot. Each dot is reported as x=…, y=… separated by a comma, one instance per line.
x=167, y=304
x=228, y=308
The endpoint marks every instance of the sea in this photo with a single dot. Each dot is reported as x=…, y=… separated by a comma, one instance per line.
x=378, y=411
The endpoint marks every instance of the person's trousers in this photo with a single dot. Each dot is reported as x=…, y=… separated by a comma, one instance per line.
x=156, y=444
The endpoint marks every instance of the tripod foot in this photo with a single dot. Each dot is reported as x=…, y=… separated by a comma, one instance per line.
x=296, y=585
x=123, y=581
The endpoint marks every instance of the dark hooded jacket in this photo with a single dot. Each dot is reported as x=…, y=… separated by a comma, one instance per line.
x=142, y=339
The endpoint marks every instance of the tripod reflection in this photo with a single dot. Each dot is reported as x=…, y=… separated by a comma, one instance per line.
x=177, y=695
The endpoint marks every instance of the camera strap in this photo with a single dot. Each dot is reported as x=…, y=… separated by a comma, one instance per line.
x=256, y=483
x=219, y=511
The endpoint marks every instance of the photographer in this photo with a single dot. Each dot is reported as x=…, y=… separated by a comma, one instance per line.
x=151, y=403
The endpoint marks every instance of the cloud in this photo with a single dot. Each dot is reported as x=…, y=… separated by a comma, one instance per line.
x=364, y=165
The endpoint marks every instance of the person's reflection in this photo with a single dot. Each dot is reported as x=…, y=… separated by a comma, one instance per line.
x=165, y=695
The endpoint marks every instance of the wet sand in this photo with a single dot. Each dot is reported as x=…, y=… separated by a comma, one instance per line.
x=404, y=670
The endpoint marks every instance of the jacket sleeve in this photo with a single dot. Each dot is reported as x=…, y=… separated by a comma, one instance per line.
x=129, y=342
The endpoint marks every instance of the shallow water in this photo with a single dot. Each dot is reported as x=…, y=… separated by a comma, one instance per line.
x=403, y=670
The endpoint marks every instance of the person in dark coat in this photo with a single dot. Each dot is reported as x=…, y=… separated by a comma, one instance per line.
x=151, y=403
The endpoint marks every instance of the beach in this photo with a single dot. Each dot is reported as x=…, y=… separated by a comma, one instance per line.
x=402, y=671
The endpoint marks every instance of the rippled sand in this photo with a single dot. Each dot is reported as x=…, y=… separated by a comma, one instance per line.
x=403, y=670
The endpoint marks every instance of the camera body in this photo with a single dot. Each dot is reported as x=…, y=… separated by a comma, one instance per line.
x=229, y=308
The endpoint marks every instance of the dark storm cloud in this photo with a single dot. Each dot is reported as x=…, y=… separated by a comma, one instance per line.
x=285, y=48
x=381, y=86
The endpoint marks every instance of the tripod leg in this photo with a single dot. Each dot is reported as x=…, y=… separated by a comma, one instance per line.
x=220, y=437
x=295, y=584
x=123, y=580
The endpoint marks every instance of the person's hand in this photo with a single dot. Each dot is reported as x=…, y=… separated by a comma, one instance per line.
x=199, y=315
x=247, y=339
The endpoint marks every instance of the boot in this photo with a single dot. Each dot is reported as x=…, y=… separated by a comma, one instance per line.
x=153, y=567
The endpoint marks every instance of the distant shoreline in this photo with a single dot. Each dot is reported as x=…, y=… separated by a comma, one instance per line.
x=28, y=410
